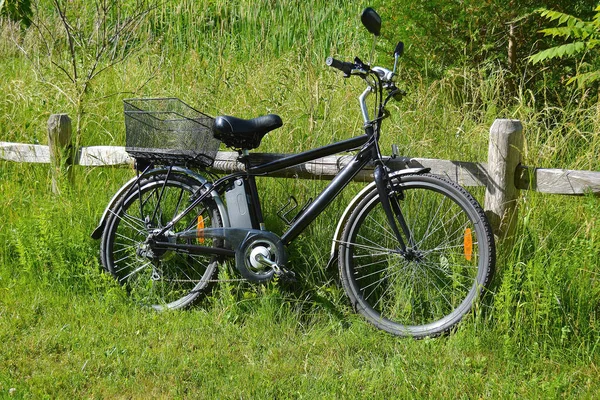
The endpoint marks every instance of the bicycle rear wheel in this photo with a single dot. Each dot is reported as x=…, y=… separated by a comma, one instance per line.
x=163, y=279
x=427, y=289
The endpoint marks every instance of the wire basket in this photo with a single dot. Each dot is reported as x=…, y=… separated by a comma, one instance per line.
x=168, y=131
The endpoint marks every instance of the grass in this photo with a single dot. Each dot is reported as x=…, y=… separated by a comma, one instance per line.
x=72, y=332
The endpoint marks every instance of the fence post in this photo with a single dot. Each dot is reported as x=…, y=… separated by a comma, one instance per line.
x=61, y=150
x=504, y=155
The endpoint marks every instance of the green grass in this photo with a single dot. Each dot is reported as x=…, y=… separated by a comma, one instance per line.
x=69, y=331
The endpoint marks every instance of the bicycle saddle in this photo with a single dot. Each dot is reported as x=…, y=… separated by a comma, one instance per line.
x=244, y=133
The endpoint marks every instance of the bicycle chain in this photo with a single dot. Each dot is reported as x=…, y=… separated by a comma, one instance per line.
x=211, y=280
x=216, y=280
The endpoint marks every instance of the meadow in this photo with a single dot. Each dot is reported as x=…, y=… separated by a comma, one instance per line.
x=67, y=330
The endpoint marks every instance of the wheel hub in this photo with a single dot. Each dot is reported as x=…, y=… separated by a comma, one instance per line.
x=413, y=255
x=147, y=249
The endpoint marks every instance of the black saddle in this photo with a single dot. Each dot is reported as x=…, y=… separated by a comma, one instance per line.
x=244, y=133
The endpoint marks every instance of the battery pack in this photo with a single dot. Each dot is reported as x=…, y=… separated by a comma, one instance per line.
x=237, y=205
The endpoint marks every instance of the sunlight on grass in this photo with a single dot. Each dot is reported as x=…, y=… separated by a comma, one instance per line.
x=73, y=332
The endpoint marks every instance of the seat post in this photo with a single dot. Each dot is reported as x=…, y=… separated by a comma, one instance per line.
x=255, y=202
x=244, y=158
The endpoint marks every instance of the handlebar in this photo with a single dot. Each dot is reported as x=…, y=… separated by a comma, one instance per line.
x=343, y=66
x=384, y=74
x=359, y=68
x=384, y=81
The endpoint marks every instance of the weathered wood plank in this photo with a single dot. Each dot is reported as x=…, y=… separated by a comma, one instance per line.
x=553, y=181
x=463, y=172
x=558, y=181
x=26, y=153
x=97, y=156
x=466, y=173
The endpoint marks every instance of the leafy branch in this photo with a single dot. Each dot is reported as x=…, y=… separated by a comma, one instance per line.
x=584, y=36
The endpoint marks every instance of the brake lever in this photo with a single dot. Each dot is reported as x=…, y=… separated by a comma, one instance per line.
x=397, y=94
x=361, y=65
x=360, y=68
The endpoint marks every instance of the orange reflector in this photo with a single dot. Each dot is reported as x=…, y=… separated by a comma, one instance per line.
x=199, y=227
x=468, y=244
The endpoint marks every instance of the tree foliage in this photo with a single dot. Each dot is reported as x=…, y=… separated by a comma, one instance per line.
x=16, y=10
x=584, y=37
x=473, y=37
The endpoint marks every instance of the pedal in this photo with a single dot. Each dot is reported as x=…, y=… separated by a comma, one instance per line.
x=282, y=273
x=286, y=275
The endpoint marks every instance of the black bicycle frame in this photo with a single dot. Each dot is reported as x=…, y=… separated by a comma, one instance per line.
x=339, y=182
x=365, y=155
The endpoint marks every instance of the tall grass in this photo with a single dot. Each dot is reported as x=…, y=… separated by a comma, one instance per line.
x=246, y=30
x=73, y=332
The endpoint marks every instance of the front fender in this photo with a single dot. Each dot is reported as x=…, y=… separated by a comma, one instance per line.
x=97, y=233
x=337, y=236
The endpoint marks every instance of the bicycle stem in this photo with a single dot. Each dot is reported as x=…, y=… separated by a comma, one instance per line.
x=363, y=104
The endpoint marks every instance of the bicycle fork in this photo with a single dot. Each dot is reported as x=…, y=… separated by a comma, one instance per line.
x=393, y=212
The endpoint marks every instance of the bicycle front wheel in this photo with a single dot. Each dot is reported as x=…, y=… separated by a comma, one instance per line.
x=162, y=279
x=426, y=288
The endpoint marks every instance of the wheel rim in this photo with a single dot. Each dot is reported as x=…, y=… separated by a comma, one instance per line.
x=160, y=279
x=433, y=284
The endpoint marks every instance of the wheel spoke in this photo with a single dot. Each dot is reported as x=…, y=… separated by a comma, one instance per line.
x=128, y=221
x=442, y=225
x=366, y=247
x=135, y=271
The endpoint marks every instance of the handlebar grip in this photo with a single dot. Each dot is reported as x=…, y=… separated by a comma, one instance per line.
x=343, y=66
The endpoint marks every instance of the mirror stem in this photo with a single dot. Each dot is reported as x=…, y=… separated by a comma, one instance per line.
x=396, y=57
x=371, y=60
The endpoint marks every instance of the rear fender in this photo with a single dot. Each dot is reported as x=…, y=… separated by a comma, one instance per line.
x=97, y=234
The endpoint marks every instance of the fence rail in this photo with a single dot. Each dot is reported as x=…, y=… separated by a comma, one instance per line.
x=543, y=180
x=503, y=175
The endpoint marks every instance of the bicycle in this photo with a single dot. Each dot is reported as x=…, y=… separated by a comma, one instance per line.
x=415, y=251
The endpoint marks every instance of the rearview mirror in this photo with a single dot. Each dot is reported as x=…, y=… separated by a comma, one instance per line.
x=371, y=20
x=399, y=49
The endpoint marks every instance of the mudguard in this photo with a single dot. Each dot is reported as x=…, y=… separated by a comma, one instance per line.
x=337, y=236
x=97, y=234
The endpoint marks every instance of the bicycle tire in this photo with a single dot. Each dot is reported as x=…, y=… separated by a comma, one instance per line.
x=451, y=264
x=171, y=279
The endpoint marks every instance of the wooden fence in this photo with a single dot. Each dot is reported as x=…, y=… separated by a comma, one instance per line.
x=503, y=175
